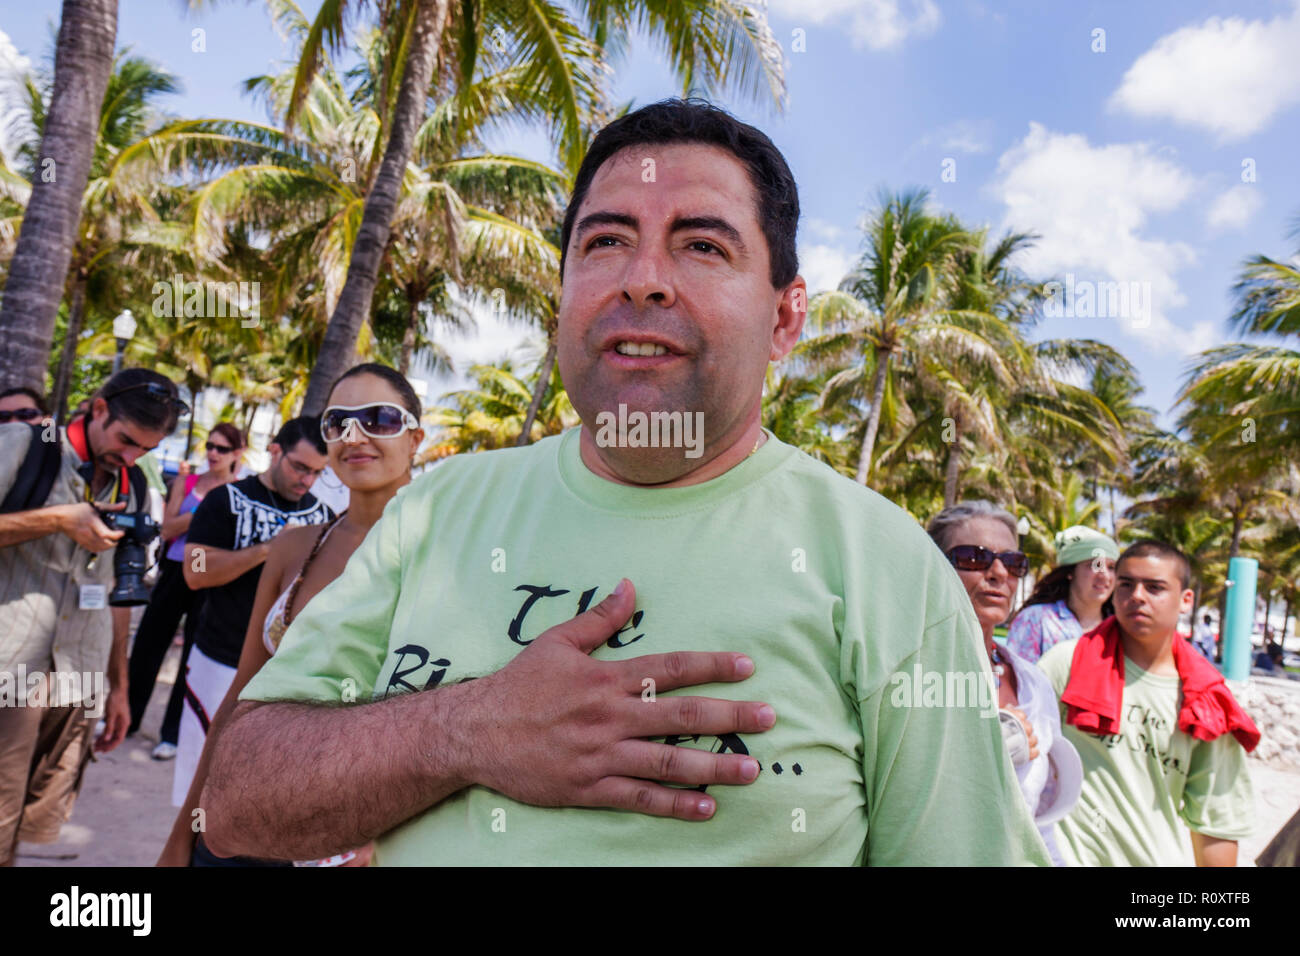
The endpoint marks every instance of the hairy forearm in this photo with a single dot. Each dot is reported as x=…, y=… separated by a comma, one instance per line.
x=25, y=526
x=207, y=567
x=299, y=781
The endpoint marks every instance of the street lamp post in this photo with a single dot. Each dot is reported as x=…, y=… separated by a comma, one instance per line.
x=123, y=331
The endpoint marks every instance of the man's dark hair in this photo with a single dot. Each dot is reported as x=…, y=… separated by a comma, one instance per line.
x=304, y=428
x=698, y=121
x=128, y=397
x=410, y=400
x=31, y=393
x=1152, y=548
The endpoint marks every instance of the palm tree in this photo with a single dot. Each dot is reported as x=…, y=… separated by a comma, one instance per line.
x=82, y=63
x=792, y=411
x=123, y=226
x=1256, y=387
x=708, y=42
x=882, y=307
x=491, y=414
x=464, y=218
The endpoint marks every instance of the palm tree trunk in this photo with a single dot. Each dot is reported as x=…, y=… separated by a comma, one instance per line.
x=873, y=419
x=951, y=479
x=1114, y=521
x=83, y=60
x=381, y=202
x=543, y=379
x=68, y=357
x=408, y=337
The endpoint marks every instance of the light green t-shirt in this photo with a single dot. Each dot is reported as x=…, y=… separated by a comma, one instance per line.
x=1143, y=788
x=829, y=588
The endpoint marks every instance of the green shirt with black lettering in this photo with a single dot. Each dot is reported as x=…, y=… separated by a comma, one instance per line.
x=1144, y=787
x=829, y=588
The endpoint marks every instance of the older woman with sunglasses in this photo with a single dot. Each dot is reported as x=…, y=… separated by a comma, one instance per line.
x=981, y=542
x=172, y=598
x=372, y=431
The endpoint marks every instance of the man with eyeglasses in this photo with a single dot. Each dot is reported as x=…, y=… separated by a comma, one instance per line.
x=225, y=549
x=58, y=636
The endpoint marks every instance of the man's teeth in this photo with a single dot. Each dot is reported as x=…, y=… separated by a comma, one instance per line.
x=639, y=348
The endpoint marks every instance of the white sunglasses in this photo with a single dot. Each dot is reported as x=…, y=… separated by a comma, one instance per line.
x=377, y=420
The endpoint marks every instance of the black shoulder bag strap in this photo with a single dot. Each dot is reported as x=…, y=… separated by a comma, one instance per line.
x=139, y=487
x=36, y=475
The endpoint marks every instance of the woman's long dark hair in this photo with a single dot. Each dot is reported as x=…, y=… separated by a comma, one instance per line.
x=1055, y=586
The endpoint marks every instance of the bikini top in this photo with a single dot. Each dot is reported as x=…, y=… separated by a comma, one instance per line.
x=278, y=618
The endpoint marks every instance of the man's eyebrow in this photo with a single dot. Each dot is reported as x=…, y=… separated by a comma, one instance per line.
x=680, y=224
x=712, y=223
x=605, y=218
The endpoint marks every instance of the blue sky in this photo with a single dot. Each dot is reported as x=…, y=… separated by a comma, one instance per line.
x=1129, y=151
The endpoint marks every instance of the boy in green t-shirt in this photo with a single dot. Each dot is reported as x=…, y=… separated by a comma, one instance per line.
x=1154, y=764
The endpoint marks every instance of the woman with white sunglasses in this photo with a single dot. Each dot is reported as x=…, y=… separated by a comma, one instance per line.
x=372, y=432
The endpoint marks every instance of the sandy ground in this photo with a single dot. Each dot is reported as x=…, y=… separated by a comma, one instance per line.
x=124, y=812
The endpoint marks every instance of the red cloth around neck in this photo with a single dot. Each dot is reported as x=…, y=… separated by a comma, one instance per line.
x=1094, y=694
x=81, y=445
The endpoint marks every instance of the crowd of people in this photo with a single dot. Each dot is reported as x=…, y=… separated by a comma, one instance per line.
x=444, y=672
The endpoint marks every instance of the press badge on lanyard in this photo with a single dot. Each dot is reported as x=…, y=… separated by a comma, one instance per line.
x=94, y=597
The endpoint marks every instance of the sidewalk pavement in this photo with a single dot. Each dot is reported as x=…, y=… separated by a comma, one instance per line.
x=124, y=812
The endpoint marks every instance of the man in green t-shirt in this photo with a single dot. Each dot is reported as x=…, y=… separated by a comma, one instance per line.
x=484, y=723
x=1146, y=780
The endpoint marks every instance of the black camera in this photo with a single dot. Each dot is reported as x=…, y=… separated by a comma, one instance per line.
x=129, y=560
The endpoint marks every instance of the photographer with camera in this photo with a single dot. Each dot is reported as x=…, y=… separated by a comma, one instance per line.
x=70, y=495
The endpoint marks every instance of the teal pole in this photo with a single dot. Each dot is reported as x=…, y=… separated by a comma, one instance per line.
x=1242, y=576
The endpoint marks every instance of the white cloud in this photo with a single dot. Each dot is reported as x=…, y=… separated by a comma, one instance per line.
x=823, y=266
x=1234, y=207
x=873, y=24
x=1229, y=76
x=1090, y=204
x=11, y=61
x=13, y=65
x=961, y=136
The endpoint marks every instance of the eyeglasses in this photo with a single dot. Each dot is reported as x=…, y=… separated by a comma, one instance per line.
x=223, y=449
x=380, y=420
x=21, y=415
x=157, y=391
x=971, y=557
x=303, y=470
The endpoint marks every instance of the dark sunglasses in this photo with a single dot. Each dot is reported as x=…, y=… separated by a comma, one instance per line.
x=157, y=391
x=971, y=557
x=224, y=449
x=21, y=415
x=380, y=420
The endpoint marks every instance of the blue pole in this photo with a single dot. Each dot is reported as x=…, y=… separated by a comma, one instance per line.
x=1242, y=577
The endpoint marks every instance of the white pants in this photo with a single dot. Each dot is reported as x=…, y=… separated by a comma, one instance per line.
x=207, y=681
